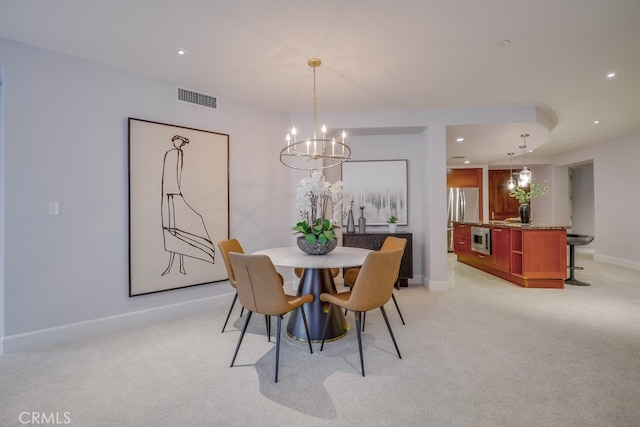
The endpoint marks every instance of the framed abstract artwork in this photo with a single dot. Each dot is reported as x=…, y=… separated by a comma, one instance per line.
x=178, y=206
x=380, y=186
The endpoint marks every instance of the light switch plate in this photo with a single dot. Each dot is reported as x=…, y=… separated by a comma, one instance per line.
x=54, y=208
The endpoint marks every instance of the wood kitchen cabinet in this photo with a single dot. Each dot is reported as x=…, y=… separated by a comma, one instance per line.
x=467, y=178
x=501, y=204
x=462, y=238
x=544, y=254
x=374, y=242
x=531, y=256
x=462, y=244
x=501, y=248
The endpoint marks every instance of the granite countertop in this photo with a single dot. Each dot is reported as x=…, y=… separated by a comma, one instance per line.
x=531, y=226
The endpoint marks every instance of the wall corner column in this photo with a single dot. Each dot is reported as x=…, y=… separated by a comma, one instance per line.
x=435, y=263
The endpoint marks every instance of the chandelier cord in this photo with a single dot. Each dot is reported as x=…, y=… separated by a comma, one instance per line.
x=315, y=102
x=511, y=165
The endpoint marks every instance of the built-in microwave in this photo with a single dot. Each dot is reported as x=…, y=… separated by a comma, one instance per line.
x=481, y=240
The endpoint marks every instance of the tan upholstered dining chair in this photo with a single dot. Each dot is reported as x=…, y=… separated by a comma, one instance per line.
x=226, y=247
x=389, y=243
x=372, y=289
x=260, y=291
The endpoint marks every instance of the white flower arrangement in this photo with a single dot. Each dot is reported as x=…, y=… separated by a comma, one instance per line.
x=313, y=195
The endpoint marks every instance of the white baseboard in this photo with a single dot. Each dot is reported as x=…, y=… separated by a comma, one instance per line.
x=416, y=280
x=432, y=286
x=59, y=334
x=617, y=261
x=437, y=285
x=73, y=331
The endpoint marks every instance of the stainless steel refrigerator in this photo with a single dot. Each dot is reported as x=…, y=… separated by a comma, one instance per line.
x=462, y=205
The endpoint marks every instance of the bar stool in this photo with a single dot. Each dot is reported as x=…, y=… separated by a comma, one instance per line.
x=574, y=240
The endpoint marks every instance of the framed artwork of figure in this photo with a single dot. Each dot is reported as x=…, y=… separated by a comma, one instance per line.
x=178, y=206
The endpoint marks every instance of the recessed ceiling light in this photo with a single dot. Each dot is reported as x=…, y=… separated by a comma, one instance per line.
x=611, y=75
x=182, y=52
x=466, y=162
x=459, y=139
x=596, y=122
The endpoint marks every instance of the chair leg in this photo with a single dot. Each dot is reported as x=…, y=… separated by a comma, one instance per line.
x=244, y=329
x=398, y=308
x=306, y=328
x=326, y=323
x=233, y=303
x=384, y=314
x=267, y=320
x=359, y=334
x=279, y=324
x=364, y=319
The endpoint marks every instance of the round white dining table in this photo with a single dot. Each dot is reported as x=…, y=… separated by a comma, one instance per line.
x=315, y=280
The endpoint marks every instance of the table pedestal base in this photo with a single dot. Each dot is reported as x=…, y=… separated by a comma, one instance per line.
x=316, y=281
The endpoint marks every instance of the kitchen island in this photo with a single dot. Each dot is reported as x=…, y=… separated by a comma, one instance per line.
x=531, y=256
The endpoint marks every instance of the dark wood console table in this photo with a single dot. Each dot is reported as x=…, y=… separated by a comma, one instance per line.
x=374, y=240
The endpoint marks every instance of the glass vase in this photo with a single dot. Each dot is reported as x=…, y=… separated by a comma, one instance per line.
x=362, y=221
x=351, y=225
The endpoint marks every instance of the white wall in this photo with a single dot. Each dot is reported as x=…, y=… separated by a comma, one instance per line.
x=395, y=147
x=65, y=140
x=615, y=206
x=616, y=213
x=2, y=158
x=542, y=207
x=560, y=193
x=582, y=201
x=435, y=207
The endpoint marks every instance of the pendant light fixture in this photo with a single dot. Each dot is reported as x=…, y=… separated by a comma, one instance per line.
x=316, y=152
x=511, y=183
x=524, y=177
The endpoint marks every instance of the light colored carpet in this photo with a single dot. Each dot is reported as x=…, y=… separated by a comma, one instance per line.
x=486, y=353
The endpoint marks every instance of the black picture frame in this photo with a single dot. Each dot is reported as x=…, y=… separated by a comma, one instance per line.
x=178, y=206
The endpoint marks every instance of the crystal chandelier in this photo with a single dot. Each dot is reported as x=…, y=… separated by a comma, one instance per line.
x=524, y=177
x=316, y=152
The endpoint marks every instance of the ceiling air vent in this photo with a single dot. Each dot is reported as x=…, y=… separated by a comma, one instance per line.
x=192, y=97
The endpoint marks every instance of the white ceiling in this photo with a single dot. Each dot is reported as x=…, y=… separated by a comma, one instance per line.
x=377, y=55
